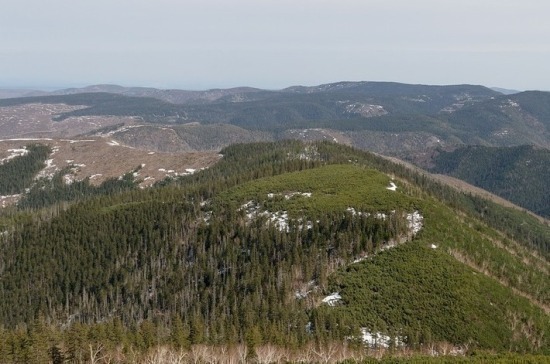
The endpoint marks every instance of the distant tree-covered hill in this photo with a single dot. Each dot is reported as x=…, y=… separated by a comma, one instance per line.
x=450, y=114
x=518, y=174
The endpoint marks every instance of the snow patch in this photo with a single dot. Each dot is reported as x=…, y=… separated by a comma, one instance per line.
x=377, y=339
x=309, y=153
x=333, y=299
x=279, y=219
x=48, y=171
x=9, y=200
x=14, y=154
x=118, y=130
x=71, y=141
x=433, y=246
x=68, y=179
x=365, y=110
x=416, y=222
x=288, y=196
x=392, y=186
x=113, y=143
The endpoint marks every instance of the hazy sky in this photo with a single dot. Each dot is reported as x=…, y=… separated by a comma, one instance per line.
x=274, y=43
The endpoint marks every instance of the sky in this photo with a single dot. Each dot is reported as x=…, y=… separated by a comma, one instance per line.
x=272, y=44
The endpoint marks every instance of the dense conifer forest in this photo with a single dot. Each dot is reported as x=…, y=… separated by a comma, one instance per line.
x=18, y=173
x=518, y=174
x=240, y=259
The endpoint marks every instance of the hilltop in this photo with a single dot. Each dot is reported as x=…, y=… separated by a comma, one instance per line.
x=300, y=247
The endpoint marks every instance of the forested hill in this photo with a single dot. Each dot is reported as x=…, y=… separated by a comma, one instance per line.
x=380, y=116
x=286, y=248
x=518, y=174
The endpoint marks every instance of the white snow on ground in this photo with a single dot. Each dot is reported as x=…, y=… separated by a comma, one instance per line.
x=9, y=200
x=95, y=175
x=290, y=195
x=360, y=259
x=392, y=187
x=333, y=299
x=14, y=153
x=207, y=216
x=251, y=209
x=416, y=221
x=71, y=141
x=48, y=171
x=378, y=215
x=113, y=143
x=279, y=219
x=365, y=110
x=433, y=246
x=172, y=173
x=512, y=103
x=118, y=130
x=68, y=179
x=308, y=225
x=309, y=153
x=377, y=339
x=354, y=212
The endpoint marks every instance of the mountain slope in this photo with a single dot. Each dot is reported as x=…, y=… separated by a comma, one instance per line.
x=519, y=174
x=287, y=244
x=517, y=119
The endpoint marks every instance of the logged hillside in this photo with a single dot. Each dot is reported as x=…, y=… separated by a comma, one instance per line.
x=389, y=118
x=284, y=244
x=518, y=174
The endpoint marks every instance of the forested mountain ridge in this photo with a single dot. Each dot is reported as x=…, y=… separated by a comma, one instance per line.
x=411, y=122
x=380, y=116
x=285, y=244
x=518, y=174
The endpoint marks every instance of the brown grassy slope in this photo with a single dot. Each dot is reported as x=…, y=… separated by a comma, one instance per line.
x=102, y=158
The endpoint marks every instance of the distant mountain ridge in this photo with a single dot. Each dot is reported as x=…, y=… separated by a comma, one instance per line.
x=518, y=174
x=364, y=113
x=410, y=122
